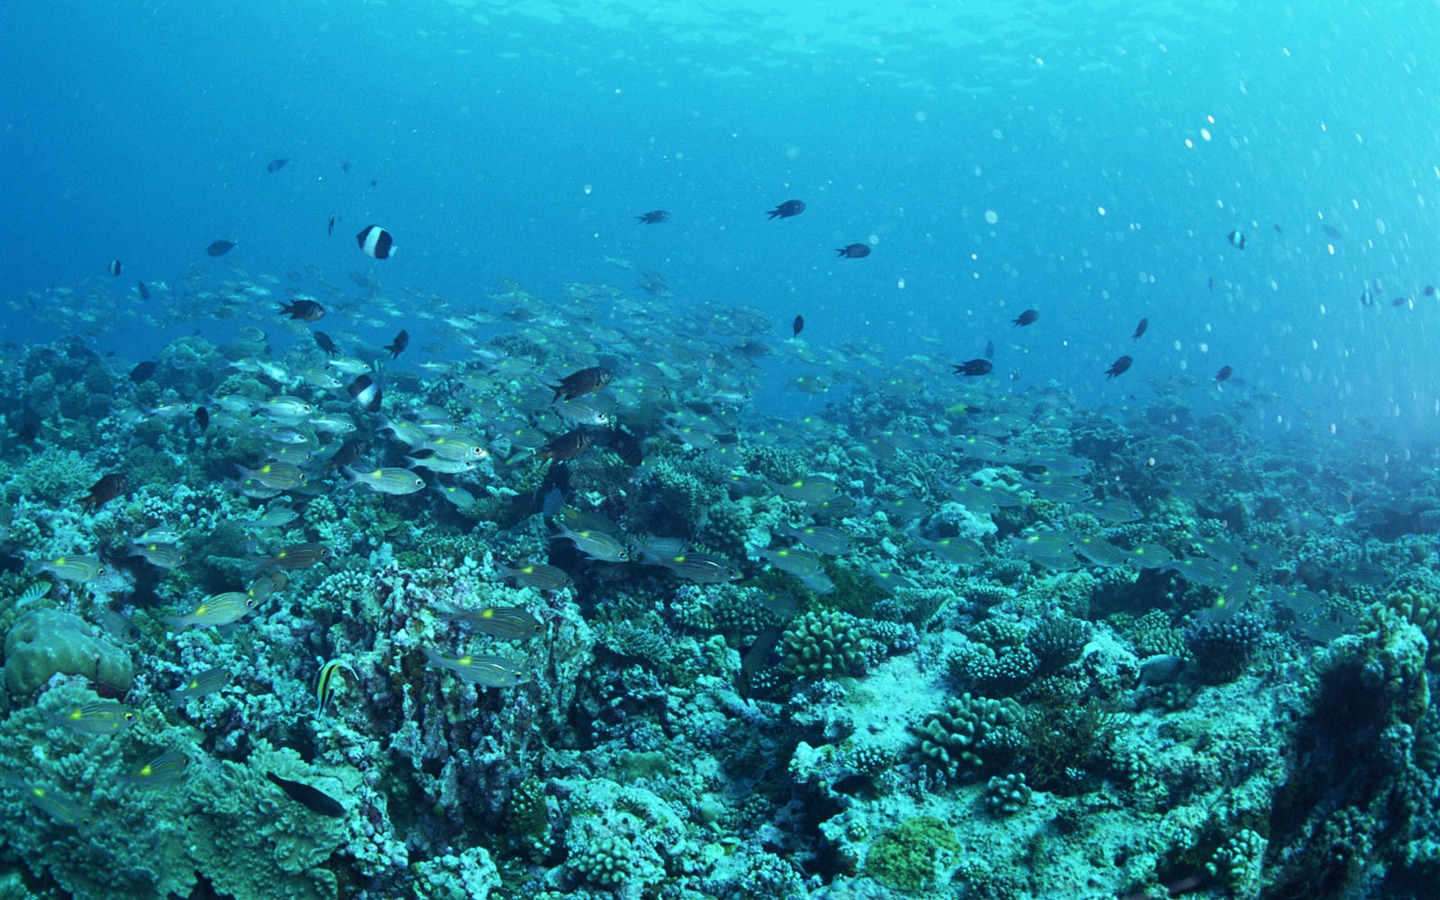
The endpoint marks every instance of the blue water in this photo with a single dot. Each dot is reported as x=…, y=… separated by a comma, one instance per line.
x=519, y=140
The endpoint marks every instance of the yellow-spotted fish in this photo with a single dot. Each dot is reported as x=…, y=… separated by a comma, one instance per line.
x=162, y=771
x=207, y=682
x=386, y=481
x=80, y=569
x=221, y=609
x=504, y=622
x=482, y=669
x=58, y=808
x=102, y=717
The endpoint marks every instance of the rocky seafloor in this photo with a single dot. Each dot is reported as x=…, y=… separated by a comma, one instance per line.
x=948, y=640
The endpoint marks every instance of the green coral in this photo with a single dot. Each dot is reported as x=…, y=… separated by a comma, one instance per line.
x=528, y=820
x=968, y=735
x=605, y=861
x=1423, y=611
x=913, y=856
x=1006, y=795
x=47, y=642
x=1237, y=863
x=824, y=642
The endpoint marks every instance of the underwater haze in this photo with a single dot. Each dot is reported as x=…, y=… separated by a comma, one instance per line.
x=719, y=449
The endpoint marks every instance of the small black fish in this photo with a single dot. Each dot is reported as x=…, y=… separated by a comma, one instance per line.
x=623, y=444
x=1400, y=301
x=798, y=325
x=114, y=267
x=787, y=209
x=374, y=182
x=1027, y=317
x=106, y=489
x=375, y=242
x=1332, y=232
x=989, y=349
x=1140, y=329
x=312, y=798
x=853, y=251
x=304, y=310
x=1118, y=367
x=330, y=226
x=1210, y=285
x=202, y=417
x=142, y=290
x=972, y=367
x=345, y=166
x=565, y=447
x=1224, y=373
x=1429, y=290
x=653, y=217
x=581, y=382
x=397, y=346
x=1236, y=239
x=347, y=454
x=142, y=371
x=326, y=344
x=220, y=248
x=366, y=392
x=276, y=165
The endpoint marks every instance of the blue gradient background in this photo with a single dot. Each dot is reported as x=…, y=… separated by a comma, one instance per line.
x=519, y=140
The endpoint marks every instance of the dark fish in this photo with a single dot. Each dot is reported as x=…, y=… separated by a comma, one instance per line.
x=142, y=290
x=142, y=371
x=347, y=454
x=787, y=209
x=578, y=384
x=853, y=251
x=276, y=165
x=312, y=798
x=106, y=489
x=1429, y=290
x=760, y=656
x=1118, y=367
x=326, y=344
x=374, y=182
x=1332, y=232
x=1140, y=329
x=653, y=217
x=624, y=445
x=1400, y=301
x=345, y=166
x=1210, y=285
x=1027, y=317
x=974, y=367
x=376, y=242
x=552, y=503
x=220, y=248
x=798, y=325
x=565, y=447
x=114, y=267
x=397, y=346
x=366, y=392
x=1224, y=373
x=304, y=310
x=989, y=349
x=202, y=417
x=1236, y=239
x=330, y=226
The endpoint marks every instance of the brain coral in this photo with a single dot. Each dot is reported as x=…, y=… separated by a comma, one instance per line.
x=45, y=642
